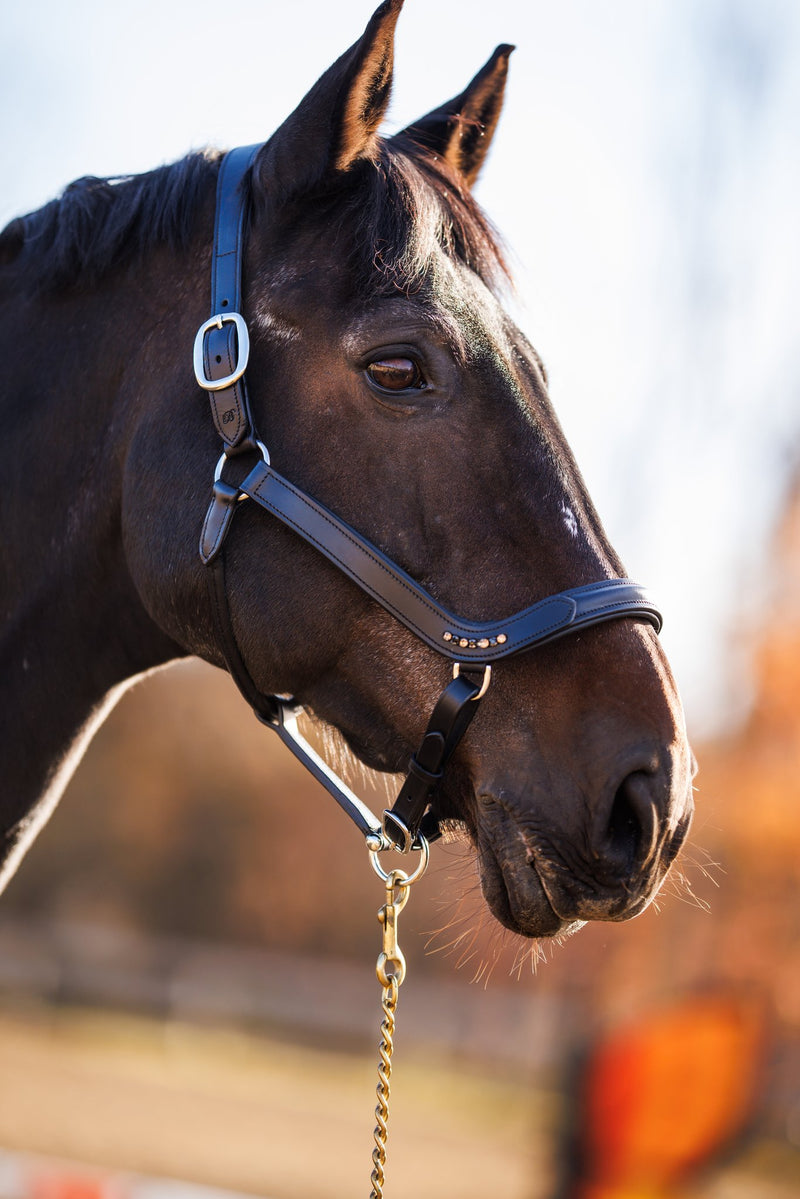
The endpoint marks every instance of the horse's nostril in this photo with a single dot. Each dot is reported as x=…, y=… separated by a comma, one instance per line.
x=631, y=830
x=623, y=833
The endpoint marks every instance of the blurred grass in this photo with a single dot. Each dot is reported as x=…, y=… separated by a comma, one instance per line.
x=224, y=1108
x=233, y=1110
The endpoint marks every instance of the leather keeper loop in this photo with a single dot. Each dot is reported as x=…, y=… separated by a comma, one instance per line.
x=429, y=757
x=429, y=777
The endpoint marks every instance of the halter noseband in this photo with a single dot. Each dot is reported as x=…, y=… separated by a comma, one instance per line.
x=221, y=352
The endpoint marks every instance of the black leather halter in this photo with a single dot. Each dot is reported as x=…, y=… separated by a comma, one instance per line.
x=221, y=352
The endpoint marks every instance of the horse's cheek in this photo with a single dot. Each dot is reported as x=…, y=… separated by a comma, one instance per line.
x=162, y=510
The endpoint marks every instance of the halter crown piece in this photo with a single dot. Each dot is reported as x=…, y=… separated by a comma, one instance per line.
x=221, y=352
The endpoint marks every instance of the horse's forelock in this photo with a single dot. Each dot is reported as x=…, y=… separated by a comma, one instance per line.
x=401, y=212
x=441, y=216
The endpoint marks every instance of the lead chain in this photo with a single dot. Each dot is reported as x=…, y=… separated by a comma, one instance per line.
x=391, y=970
x=389, y=1002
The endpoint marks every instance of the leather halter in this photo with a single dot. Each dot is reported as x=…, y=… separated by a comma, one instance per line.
x=220, y=359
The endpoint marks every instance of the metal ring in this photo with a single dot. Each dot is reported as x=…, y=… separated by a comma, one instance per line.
x=487, y=678
x=223, y=458
x=420, y=843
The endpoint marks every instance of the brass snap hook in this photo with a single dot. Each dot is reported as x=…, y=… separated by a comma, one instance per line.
x=391, y=962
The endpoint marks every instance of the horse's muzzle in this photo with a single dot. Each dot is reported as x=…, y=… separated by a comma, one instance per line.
x=543, y=875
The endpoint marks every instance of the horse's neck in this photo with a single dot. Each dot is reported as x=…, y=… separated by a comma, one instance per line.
x=38, y=769
x=65, y=658
x=74, y=629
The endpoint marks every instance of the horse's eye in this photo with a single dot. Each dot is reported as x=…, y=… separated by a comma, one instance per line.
x=396, y=374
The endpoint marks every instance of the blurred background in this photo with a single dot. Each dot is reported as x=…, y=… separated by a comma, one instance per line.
x=186, y=956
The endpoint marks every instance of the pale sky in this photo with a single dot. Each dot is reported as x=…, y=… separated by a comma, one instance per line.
x=646, y=178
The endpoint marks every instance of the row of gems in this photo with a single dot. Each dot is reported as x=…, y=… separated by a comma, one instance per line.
x=470, y=643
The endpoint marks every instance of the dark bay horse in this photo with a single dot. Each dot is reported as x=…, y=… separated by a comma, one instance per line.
x=388, y=383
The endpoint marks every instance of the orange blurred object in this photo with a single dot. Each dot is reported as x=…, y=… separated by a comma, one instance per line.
x=663, y=1094
x=65, y=1184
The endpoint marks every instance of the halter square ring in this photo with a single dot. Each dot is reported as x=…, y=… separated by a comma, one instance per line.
x=487, y=678
x=216, y=322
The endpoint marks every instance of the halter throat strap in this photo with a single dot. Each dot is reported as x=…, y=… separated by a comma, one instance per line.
x=220, y=358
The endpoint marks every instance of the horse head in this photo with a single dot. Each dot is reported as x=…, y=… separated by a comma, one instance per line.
x=388, y=382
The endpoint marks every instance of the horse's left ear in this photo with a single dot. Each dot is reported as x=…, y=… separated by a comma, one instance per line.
x=337, y=122
x=461, y=130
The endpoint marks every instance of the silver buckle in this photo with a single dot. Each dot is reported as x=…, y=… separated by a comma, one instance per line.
x=216, y=322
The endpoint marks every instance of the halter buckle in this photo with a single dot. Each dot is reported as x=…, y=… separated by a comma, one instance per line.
x=216, y=322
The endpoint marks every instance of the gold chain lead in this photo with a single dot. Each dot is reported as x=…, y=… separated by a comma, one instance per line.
x=391, y=970
x=389, y=1002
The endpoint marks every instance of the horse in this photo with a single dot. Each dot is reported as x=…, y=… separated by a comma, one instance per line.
x=395, y=394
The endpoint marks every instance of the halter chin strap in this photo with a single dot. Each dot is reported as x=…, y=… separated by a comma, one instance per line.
x=221, y=352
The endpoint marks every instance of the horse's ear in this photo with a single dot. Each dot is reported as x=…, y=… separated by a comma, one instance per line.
x=461, y=130
x=337, y=122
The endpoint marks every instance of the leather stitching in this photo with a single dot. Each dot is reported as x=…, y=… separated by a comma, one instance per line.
x=576, y=617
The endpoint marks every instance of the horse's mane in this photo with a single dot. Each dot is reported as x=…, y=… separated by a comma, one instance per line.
x=96, y=224
x=405, y=204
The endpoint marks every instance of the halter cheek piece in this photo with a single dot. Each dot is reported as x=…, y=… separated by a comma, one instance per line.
x=220, y=359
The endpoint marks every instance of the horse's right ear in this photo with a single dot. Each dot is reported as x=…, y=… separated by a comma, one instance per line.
x=337, y=122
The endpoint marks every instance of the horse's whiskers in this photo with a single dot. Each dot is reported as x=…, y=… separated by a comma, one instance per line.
x=679, y=884
x=534, y=954
x=470, y=934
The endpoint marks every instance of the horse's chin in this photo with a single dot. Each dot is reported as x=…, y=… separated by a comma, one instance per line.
x=514, y=891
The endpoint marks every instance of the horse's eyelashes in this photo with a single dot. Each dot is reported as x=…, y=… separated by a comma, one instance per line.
x=396, y=374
